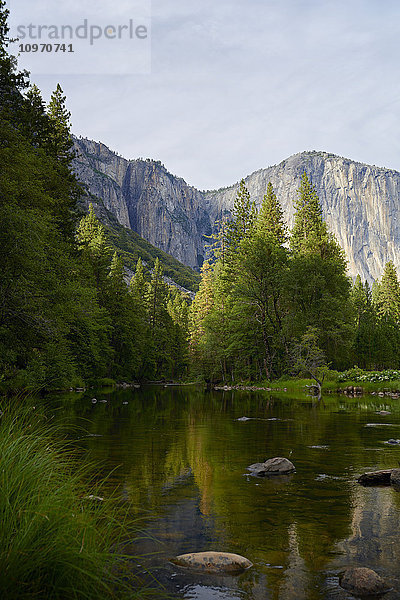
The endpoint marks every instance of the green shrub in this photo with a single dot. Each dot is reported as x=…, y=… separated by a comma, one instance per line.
x=358, y=375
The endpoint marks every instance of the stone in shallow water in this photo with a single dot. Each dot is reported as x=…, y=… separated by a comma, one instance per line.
x=273, y=466
x=375, y=477
x=362, y=582
x=395, y=479
x=213, y=562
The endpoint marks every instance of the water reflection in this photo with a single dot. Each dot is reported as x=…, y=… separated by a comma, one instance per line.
x=182, y=456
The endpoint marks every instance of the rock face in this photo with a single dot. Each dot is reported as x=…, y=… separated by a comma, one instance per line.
x=363, y=582
x=213, y=562
x=360, y=202
x=145, y=197
x=272, y=466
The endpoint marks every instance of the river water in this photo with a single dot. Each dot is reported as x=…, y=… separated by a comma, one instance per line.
x=179, y=456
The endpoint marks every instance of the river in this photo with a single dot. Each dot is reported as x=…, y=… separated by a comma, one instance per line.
x=179, y=456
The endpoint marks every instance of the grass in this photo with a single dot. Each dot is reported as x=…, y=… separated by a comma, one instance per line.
x=298, y=386
x=55, y=541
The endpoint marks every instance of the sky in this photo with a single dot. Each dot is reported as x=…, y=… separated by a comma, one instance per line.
x=221, y=88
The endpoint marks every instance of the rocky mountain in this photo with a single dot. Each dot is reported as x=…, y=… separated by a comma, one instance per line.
x=360, y=202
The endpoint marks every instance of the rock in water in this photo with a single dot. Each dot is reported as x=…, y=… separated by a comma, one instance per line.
x=395, y=479
x=213, y=562
x=375, y=477
x=273, y=466
x=361, y=581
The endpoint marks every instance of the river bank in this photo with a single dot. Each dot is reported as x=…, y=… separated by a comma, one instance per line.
x=305, y=386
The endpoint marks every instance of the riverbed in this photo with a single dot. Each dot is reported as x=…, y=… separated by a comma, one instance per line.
x=178, y=457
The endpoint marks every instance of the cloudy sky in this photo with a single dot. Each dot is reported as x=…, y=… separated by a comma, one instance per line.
x=237, y=85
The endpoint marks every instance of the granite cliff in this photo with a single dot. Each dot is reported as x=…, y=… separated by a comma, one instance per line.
x=360, y=202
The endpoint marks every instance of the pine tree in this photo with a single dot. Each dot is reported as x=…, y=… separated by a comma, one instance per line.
x=200, y=308
x=60, y=141
x=137, y=284
x=258, y=293
x=318, y=284
x=12, y=81
x=243, y=217
x=178, y=310
x=116, y=274
x=159, y=361
x=270, y=219
x=359, y=299
x=36, y=126
x=366, y=339
x=388, y=294
x=217, y=247
x=309, y=230
x=92, y=242
x=57, y=144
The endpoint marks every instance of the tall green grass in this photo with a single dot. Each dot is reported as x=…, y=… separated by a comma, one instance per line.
x=54, y=541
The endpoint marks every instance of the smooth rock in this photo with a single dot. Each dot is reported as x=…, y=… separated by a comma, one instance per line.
x=213, y=562
x=361, y=581
x=273, y=466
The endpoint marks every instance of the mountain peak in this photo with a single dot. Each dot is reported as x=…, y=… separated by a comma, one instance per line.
x=359, y=201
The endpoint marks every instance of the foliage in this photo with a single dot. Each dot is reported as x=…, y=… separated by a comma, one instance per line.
x=66, y=313
x=55, y=540
x=359, y=375
x=130, y=246
x=259, y=301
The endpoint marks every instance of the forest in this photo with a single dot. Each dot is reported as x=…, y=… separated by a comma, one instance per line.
x=271, y=302
x=276, y=303
x=68, y=316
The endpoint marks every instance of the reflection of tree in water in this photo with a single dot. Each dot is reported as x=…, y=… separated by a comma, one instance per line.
x=183, y=456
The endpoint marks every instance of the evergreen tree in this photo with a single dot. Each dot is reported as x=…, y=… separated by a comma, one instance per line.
x=159, y=362
x=178, y=310
x=367, y=343
x=35, y=125
x=317, y=282
x=386, y=302
x=92, y=242
x=388, y=294
x=243, y=217
x=126, y=328
x=60, y=141
x=359, y=299
x=217, y=247
x=270, y=219
x=309, y=230
x=12, y=81
x=138, y=284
